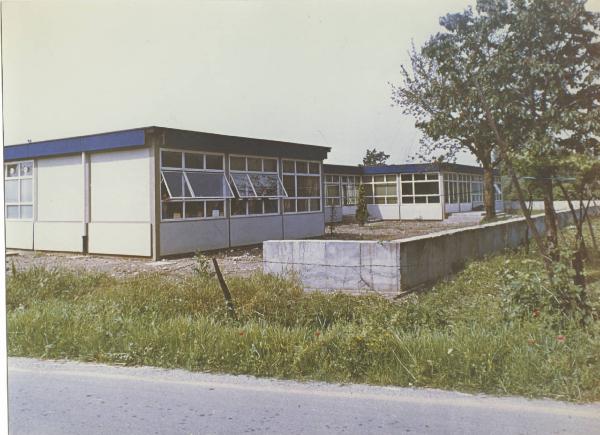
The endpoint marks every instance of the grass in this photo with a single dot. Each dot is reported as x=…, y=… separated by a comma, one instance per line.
x=455, y=336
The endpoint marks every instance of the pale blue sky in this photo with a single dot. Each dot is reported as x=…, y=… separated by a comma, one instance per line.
x=306, y=71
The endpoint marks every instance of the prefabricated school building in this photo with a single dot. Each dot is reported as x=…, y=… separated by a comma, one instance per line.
x=157, y=192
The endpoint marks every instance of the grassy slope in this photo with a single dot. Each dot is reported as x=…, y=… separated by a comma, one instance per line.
x=453, y=337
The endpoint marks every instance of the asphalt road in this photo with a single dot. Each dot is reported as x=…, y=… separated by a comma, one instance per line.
x=73, y=398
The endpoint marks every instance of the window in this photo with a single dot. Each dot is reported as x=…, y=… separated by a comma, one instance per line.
x=497, y=189
x=420, y=188
x=257, y=186
x=349, y=190
x=332, y=191
x=302, y=182
x=381, y=189
x=18, y=190
x=193, y=185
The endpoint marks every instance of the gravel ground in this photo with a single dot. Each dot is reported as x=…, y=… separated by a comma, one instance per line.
x=238, y=261
x=231, y=261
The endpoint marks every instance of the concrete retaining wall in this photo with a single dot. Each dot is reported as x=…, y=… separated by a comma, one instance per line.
x=394, y=266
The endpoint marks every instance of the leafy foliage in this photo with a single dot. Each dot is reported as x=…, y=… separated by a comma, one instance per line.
x=362, y=213
x=375, y=158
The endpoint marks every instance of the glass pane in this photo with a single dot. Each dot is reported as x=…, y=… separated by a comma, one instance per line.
x=271, y=206
x=194, y=209
x=171, y=159
x=315, y=205
x=174, y=183
x=267, y=185
x=390, y=189
x=26, y=211
x=26, y=190
x=380, y=190
x=289, y=205
x=391, y=178
x=270, y=165
x=368, y=189
x=214, y=208
x=288, y=166
x=308, y=186
x=407, y=188
x=302, y=167
x=214, y=162
x=209, y=185
x=254, y=164
x=12, y=170
x=237, y=163
x=11, y=190
x=419, y=176
x=302, y=205
x=172, y=210
x=313, y=168
x=406, y=177
x=289, y=182
x=243, y=185
x=392, y=200
x=379, y=178
x=238, y=207
x=379, y=200
x=194, y=161
x=433, y=199
x=367, y=179
x=12, y=212
x=255, y=206
x=407, y=200
x=421, y=199
x=333, y=191
x=426, y=188
x=432, y=176
x=26, y=169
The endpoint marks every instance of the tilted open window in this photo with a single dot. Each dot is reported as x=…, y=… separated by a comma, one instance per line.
x=188, y=184
x=253, y=185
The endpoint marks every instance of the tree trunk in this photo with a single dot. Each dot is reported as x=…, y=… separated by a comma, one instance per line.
x=550, y=220
x=489, y=201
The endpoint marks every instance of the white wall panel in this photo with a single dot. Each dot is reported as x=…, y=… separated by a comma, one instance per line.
x=120, y=186
x=120, y=238
x=19, y=234
x=421, y=211
x=58, y=236
x=60, y=189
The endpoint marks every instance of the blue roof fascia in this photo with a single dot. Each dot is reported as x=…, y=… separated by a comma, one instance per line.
x=96, y=142
x=409, y=168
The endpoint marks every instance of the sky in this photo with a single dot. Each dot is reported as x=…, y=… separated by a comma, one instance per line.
x=315, y=72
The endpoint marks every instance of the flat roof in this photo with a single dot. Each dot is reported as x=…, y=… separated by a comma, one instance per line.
x=169, y=138
x=408, y=168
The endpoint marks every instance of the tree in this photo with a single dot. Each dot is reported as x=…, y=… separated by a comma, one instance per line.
x=530, y=70
x=375, y=158
x=362, y=212
x=438, y=93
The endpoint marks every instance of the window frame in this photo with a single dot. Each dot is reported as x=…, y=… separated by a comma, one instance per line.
x=375, y=180
x=184, y=200
x=296, y=174
x=18, y=178
x=428, y=177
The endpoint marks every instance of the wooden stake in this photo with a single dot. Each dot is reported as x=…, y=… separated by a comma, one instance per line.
x=226, y=293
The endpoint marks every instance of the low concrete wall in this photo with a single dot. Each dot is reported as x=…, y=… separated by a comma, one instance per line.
x=336, y=264
x=391, y=267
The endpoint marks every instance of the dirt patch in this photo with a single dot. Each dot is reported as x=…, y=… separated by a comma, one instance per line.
x=391, y=230
x=238, y=261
